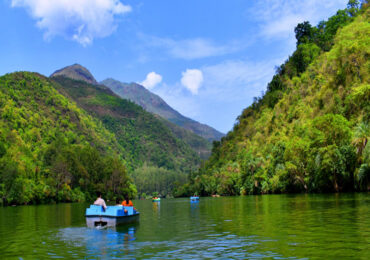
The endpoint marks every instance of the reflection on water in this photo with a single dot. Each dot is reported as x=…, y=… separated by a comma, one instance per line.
x=100, y=242
x=118, y=243
x=328, y=226
x=156, y=206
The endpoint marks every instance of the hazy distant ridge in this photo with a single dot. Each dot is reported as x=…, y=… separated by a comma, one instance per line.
x=155, y=104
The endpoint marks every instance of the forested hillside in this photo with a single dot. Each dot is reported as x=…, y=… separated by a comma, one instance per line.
x=155, y=104
x=309, y=132
x=51, y=150
x=201, y=146
x=143, y=137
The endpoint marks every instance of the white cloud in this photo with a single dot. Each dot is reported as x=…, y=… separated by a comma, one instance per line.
x=192, y=79
x=227, y=88
x=190, y=49
x=152, y=79
x=196, y=48
x=230, y=85
x=180, y=99
x=237, y=79
x=279, y=17
x=79, y=20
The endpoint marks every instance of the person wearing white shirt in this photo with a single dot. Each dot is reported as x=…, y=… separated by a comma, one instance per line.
x=99, y=201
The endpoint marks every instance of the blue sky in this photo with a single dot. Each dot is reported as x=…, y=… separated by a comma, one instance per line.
x=205, y=58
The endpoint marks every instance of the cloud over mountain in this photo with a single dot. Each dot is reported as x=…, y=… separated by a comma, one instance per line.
x=152, y=79
x=192, y=79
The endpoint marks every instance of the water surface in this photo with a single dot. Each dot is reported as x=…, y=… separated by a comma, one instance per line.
x=332, y=226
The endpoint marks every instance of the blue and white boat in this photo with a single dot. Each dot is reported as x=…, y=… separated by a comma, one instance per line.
x=194, y=198
x=111, y=216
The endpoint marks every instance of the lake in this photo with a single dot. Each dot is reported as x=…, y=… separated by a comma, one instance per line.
x=328, y=226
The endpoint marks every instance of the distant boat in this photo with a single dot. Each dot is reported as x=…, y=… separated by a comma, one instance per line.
x=156, y=199
x=194, y=198
x=112, y=216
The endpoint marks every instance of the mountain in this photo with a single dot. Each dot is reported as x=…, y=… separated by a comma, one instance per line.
x=144, y=138
x=77, y=72
x=198, y=144
x=310, y=130
x=50, y=149
x=154, y=104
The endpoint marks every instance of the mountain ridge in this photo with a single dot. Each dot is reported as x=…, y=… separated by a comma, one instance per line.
x=155, y=104
x=77, y=72
x=145, y=139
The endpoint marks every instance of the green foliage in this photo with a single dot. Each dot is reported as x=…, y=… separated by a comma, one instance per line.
x=303, y=32
x=187, y=129
x=310, y=130
x=50, y=150
x=304, y=55
x=143, y=139
x=150, y=179
x=141, y=136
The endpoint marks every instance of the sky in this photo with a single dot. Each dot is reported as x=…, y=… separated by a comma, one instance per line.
x=207, y=59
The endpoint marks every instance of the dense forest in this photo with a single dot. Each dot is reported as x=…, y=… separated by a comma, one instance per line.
x=143, y=137
x=152, y=103
x=51, y=150
x=309, y=131
x=161, y=153
x=63, y=139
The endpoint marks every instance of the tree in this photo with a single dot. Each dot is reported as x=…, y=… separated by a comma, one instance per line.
x=361, y=135
x=353, y=7
x=303, y=32
x=304, y=55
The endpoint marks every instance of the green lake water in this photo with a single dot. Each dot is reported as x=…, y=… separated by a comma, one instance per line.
x=329, y=226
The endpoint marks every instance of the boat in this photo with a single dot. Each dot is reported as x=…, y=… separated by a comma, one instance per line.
x=111, y=216
x=156, y=199
x=194, y=198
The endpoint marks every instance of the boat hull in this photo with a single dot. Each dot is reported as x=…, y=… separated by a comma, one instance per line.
x=110, y=216
x=110, y=221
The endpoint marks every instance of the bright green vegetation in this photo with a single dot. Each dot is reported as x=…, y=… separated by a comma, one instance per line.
x=156, y=105
x=302, y=226
x=309, y=132
x=144, y=139
x=200, y=145
x=51, y=150
x=160, y=181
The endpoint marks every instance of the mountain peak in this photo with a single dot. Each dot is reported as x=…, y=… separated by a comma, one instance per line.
x=77, y=72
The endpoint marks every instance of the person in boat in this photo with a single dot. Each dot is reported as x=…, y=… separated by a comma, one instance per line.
x=118, y=203
x=99, y=201
x=127, y=202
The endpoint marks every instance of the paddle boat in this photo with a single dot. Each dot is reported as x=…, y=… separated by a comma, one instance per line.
x=111, y=216
x=156, y=199
x=194, y=198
